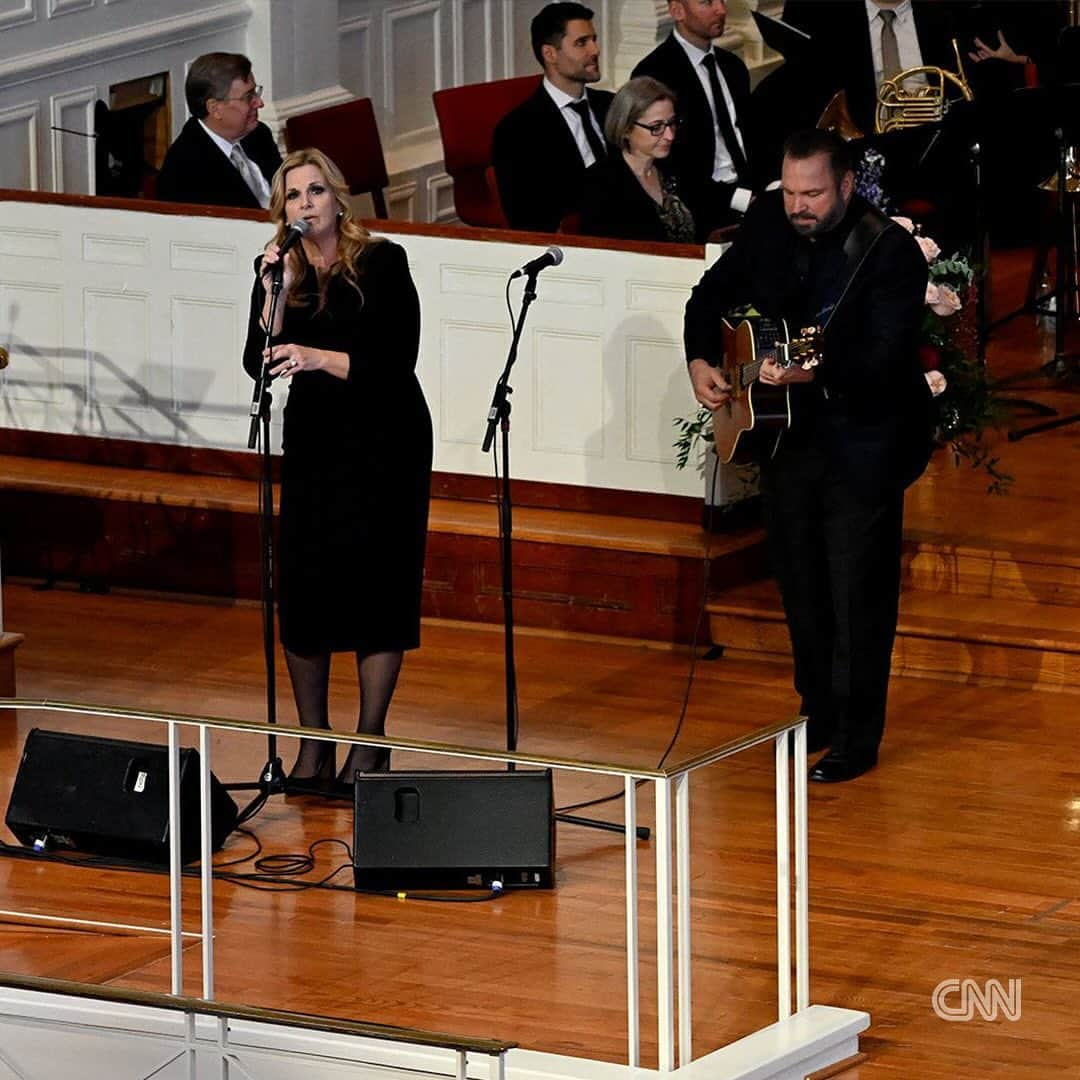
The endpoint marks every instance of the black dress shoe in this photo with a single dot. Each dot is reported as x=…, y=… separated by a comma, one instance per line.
x=837, y=767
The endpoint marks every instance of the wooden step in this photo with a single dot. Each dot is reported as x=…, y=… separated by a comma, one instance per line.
x=111, y=526
x=966, y=639
x=1023, y=572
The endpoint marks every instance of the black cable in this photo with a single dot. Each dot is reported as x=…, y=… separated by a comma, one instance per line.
x=693, y=661
x=272, y=879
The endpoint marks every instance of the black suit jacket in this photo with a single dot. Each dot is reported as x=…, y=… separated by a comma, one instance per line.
x=694, y=150
x=538, y=166
x=196, y=171
x=616, y=205
x=869, y=403
x=841, y=55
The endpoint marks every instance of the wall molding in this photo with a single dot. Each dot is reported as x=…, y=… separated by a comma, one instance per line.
x=278, y=111
x=185, y=27
x=58, y=8
x=390, y=18
x=29, y=113
x=16, y=17
x=85, y=95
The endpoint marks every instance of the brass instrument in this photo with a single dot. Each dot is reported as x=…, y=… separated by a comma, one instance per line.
x=1072, y=174
x=837, y=118
x=899, y=107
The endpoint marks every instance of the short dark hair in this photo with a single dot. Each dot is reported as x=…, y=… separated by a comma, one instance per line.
x=809, y=142
x=211, y=76
x=549, y=25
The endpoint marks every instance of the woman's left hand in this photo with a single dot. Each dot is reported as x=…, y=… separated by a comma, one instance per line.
x=288, y=360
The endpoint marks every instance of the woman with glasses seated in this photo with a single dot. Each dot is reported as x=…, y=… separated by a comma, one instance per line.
x=627, y=196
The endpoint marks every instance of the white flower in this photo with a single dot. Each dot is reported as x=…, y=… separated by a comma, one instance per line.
x=933, y=294
x=906, y=223
x=929, y=249
x=936, y=381
x=947, y=303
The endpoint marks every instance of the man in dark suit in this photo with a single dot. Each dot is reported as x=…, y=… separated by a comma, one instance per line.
x=542, y=148
x=814, y=253
x=711, y=158
x=223, y=156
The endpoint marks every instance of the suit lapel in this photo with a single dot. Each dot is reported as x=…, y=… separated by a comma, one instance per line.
x=557, y=129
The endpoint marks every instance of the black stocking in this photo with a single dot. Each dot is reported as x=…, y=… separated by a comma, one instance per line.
x=310, y=677
x=378, y=676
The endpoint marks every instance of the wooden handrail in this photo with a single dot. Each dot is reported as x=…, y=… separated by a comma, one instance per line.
x=277, y=1017
x=376, y=225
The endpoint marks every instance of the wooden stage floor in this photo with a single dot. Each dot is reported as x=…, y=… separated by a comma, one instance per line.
x=957, y=858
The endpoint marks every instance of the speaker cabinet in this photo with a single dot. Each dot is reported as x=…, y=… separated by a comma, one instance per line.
x=110, y=797
x=453, y=830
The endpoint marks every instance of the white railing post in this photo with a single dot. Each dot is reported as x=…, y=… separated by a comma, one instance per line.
x=802, y=885
x=682, y=880
x=783, y=879
x=176, y=866
x=665, y=985
x=633, y=1000
x=206, y=854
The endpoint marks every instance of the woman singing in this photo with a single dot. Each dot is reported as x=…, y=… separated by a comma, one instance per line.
x=356, y=466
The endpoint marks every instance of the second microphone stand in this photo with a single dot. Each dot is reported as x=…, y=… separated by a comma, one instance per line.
x=499, y=416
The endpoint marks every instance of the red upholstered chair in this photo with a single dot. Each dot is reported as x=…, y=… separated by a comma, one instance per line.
x=349, y=135
x=467, y=118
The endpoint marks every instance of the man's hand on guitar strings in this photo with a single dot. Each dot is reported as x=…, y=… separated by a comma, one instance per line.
x=772, y=374
x=710, y=387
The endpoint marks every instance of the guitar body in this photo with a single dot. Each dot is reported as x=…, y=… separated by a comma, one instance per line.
x=751, y=424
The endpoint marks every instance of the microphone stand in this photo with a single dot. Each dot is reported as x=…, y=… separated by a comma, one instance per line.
x=499, y=414
x=272, y=777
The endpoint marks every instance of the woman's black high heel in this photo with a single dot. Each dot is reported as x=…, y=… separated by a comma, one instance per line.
x=378, y=762
x=319, y=782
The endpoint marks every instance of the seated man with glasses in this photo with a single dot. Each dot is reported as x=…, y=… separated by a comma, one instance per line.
x=223, y=156
x=630, y=196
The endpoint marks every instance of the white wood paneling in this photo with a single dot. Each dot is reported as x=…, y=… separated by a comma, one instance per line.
x=19, y=146
x=354, y=45
x=413, y=70
x=14, y=12
x=57, y=8
x=73, y=155
x=154, y=313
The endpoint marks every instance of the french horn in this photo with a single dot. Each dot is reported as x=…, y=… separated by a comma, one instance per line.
x=900, y=107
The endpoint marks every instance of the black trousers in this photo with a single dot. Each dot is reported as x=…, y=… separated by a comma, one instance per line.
x=836, y=556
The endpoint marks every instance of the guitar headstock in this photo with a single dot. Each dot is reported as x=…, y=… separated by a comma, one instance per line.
x=806, y=350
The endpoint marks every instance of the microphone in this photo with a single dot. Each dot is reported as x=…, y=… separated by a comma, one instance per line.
x=552, y=257
x=297, y=229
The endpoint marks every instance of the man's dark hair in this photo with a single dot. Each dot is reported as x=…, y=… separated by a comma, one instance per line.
x=211, y=76
x=549, y=25
x=809, y=142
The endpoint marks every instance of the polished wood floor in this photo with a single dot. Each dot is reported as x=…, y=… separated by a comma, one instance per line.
x=956, y=858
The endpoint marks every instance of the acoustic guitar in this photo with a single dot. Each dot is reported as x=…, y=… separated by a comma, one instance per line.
x=756, y=416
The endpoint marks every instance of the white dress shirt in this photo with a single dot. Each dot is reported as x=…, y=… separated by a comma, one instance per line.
x=226, y=148
x=907, y=40
x=723, y=167
x=562, y=101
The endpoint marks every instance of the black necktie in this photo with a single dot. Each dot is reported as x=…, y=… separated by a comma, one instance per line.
x=723, y=119
x=596, y=144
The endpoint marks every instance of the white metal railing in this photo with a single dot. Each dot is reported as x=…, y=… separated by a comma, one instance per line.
x=672, y=842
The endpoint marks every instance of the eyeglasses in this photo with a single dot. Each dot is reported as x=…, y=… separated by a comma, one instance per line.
x=249, y=97
x=656, y=128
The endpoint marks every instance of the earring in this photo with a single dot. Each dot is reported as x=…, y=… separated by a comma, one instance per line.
x=340, y=214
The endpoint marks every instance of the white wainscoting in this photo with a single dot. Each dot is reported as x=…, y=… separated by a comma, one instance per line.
x=131, y=325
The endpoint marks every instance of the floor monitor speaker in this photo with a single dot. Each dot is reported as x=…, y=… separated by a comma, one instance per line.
x=110, y=797
x=454, y=830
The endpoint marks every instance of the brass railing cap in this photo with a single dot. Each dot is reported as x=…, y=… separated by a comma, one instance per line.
x=277, y=1017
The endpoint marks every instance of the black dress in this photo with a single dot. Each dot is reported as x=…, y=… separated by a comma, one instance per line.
x=356, y=468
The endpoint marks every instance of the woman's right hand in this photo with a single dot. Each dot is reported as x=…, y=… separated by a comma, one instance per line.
x=271, y=258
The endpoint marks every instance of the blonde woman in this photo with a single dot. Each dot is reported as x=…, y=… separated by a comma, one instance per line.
x=356, y=468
